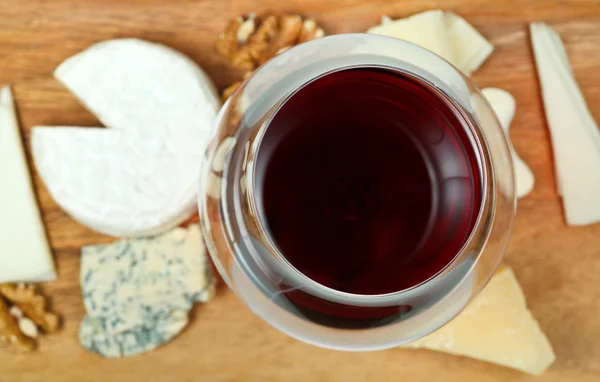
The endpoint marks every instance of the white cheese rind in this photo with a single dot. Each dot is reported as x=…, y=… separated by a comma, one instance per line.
x=136, y=85
x=24, y=251
x=139, y=176
x=114, y=183
x=495, y=327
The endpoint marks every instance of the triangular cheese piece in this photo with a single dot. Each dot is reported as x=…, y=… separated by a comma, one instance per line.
x=444, y=33
x=426, y=29
x=24, y=251
x=574, y=133
x=495, y=327
x=469, y=48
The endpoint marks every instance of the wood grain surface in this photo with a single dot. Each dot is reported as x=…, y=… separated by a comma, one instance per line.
x=558, y=266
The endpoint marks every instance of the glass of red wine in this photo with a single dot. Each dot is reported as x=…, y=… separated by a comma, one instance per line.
x=357, y=193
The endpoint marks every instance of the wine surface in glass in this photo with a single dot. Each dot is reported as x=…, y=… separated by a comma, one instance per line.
x=368, y=182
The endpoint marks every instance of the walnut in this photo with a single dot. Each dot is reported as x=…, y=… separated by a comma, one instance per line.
x=246, y=29
x=310, y=31
x=32, y=305
x=249, y=42
x=227, y=42
x=228, y=91
x=286, y=36
x=10, y=334
x=22, y=311
x=259, y=42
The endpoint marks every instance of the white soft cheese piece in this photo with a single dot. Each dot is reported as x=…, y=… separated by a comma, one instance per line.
x=24, y=251
x=133, y=84
x=495, y=327
x=504, y=106
x=139, y=175
x=575, y=135
x=444, y=33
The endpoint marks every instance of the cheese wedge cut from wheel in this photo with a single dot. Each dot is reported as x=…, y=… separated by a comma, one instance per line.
x=504, y=106
x=138, y=176
x=574, y=133
x=444, y=33
x=24, y=251
x=495, y=327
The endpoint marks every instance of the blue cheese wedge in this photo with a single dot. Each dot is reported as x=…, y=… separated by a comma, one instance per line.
x=134, y=285
x=145, y=270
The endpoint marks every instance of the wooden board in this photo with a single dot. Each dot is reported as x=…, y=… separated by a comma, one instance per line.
x=558, y=266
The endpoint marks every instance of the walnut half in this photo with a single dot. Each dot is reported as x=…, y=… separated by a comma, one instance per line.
x=250, y=42
x=22, y=311
x=10, y=334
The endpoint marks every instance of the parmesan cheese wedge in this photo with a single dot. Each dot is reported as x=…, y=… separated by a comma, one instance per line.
x=138, y=176
x=504, y=106
x=24, y=251
x=495, y=327
x=575, y=135
x=444, y=33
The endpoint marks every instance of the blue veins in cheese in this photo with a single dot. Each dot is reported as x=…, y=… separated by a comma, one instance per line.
x=98, y=335
x=137, y=292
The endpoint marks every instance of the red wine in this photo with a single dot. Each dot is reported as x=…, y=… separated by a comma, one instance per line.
x=368, y=182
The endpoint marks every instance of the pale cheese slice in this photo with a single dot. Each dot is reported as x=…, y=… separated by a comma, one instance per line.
x=504, y=106
x=24, y=251
x=444, y=33
x=469, y=48
x=495, y=327
x=426, y=29
x=575, y=135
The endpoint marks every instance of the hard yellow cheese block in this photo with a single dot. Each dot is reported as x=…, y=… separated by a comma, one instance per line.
x=495, y=327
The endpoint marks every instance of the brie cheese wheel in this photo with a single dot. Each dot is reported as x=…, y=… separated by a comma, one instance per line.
x=138, y=176
x=24, y=251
